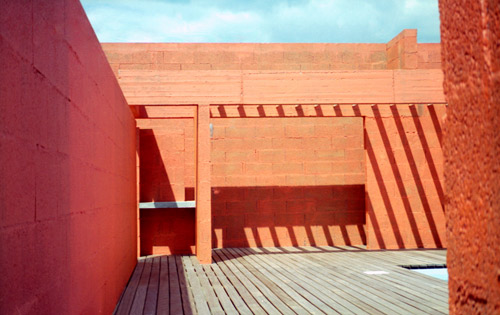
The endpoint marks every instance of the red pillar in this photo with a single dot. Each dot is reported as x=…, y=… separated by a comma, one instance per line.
x=138, y=185
x=203, y=193
x=470, y=34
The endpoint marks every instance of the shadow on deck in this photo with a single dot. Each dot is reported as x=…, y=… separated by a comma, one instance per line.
x=291, y=280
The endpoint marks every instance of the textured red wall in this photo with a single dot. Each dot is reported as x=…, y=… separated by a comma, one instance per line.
x=470, y=34
x=67, y=159
x=288, y=181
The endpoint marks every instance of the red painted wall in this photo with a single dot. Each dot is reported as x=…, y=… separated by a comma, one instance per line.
x=404, y=176
x=166, y=174
x=288, y=181
x=403, y=181
x=242, y=56
x=67, y=159
x=470, y=35
x=402, y=52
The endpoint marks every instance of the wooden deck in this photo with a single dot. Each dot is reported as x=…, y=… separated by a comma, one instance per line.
x=301, y=280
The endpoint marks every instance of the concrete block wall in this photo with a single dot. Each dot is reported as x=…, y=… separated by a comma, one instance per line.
x=288, y=181
x=166, y=174
x=282, y=181
x=404, y=176
x=145, y=84
x=281, y=87
x=283, y=56
x=402, y=52
x=429, y=56
x=67, y=159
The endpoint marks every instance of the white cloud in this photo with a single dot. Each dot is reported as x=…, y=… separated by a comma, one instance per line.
x=261, y=20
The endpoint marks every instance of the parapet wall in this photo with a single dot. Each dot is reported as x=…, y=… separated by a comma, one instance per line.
x=67, y=161
x=402, y=52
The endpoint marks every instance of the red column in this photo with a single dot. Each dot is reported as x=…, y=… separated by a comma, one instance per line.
x=470, y=34
x=203, y=194
x=138, y=185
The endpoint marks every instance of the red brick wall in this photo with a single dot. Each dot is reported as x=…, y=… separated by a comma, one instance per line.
x=471, y=61
x=67, y=159
x=288, y=181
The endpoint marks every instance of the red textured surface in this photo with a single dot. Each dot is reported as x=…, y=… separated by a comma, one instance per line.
x=67, y=159
x=399, y=53
x=203, y=185
x=402, y=50
x=429, y=56
x=404, y=176
x=288, y=181
x=166, y=174
x=404, y=193
x=251, y=56
x=167, y=231
x=470, y=34
x=281, y=87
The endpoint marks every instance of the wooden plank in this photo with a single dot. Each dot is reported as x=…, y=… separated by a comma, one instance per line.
x=223, y=297
x=163, y=305
x=128, y=296
x=249, y=285
x=152, y=293
x=250, y=301
x=406, y=292
x=267, y=288
x=207, y=289
x=316, y=295
x=337, y=298
x=382, y=294
x=282, y=295
x=186, y=293
x=232, y=294
x=400, y=285
x=338, y=284
x=407, y=276
x=352, y=288
x=175, y=290
x=304, y=298
x=142, y=288
x=199, y=298
x=294, y=280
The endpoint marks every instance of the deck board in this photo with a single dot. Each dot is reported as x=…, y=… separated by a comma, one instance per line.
x=163, y=304
x=287, y=280
x=152, y=292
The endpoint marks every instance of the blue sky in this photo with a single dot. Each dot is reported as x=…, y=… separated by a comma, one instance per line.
x=267, y=21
